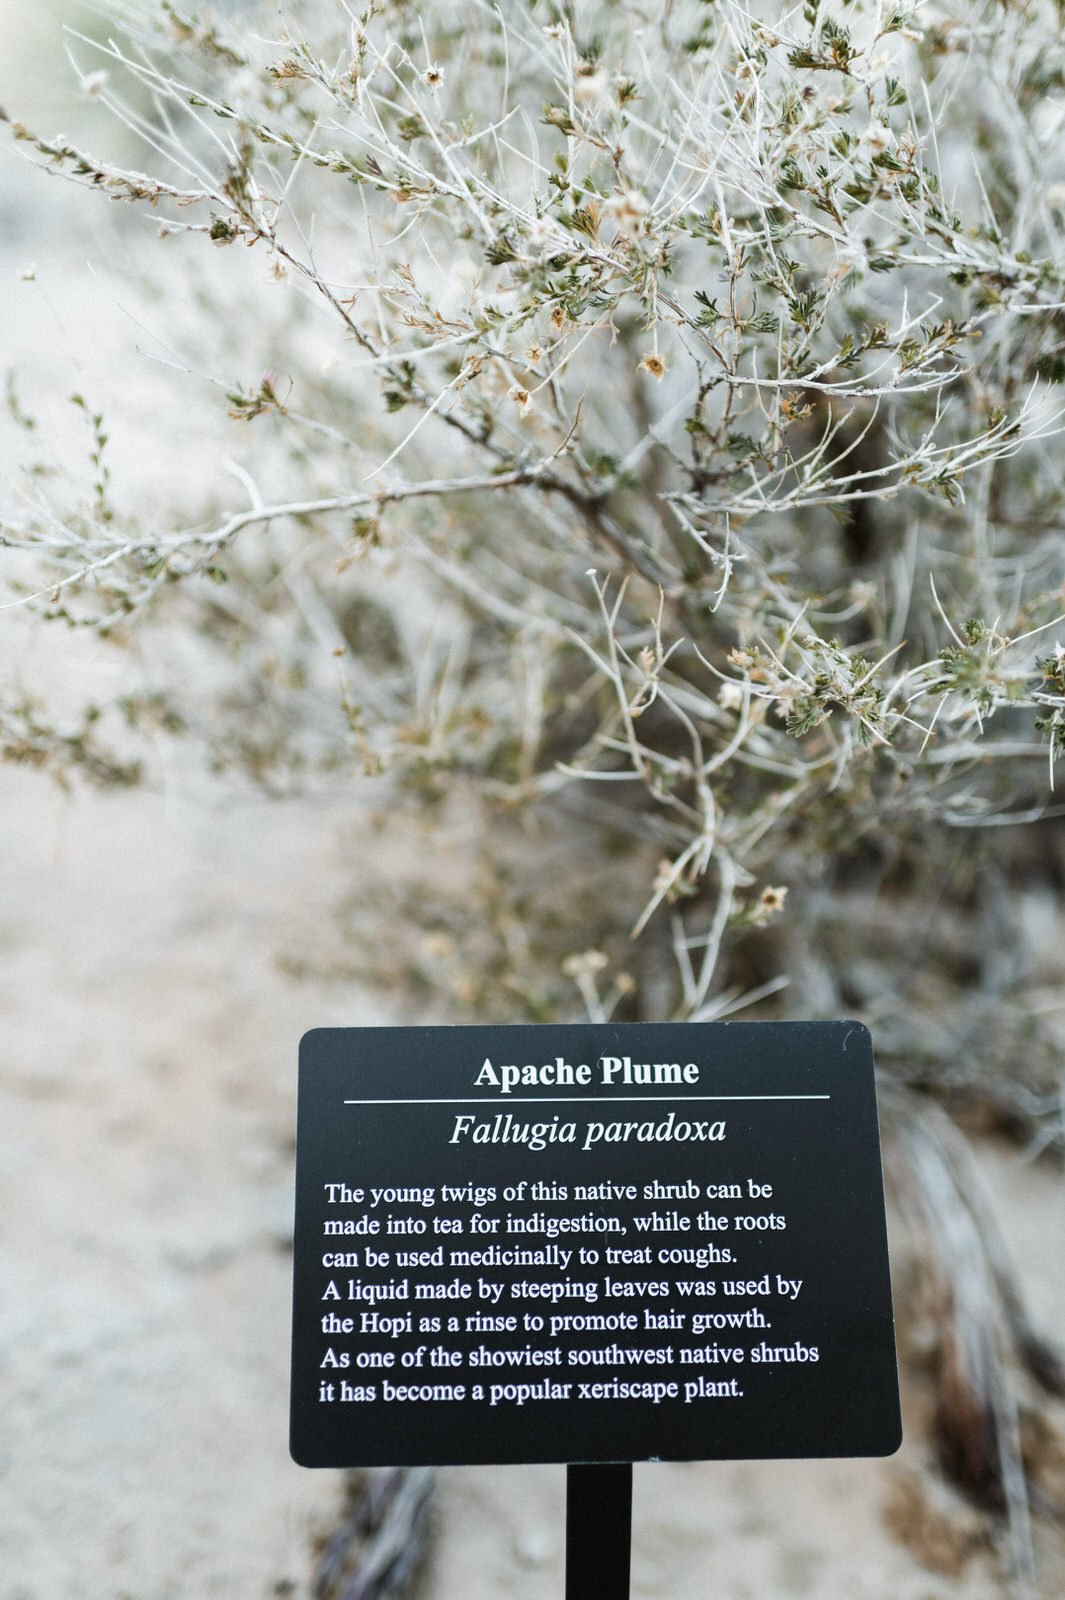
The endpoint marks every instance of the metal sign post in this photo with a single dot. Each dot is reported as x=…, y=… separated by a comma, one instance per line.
x=598, y=1532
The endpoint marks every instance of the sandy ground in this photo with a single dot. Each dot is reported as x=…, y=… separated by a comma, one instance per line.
x=147, y=1086
x=148, y=1075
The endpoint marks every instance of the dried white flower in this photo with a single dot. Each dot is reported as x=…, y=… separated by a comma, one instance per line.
x=877, y=137
x=771, y=900
x=591, y=83
x=628, y=209
x=851, y=257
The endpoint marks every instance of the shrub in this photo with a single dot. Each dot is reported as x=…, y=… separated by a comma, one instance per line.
x=709, y=365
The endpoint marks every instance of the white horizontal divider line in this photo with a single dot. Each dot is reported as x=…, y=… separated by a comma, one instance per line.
x=585, y=1100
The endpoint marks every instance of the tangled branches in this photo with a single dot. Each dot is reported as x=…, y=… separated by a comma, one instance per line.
x=680, y=387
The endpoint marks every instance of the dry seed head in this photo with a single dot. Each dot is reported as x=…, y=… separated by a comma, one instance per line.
x=584, y=964
x=877, y=138
x=591, y=82
x=628, y=209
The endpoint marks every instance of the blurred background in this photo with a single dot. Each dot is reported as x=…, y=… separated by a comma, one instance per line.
x=169, y=932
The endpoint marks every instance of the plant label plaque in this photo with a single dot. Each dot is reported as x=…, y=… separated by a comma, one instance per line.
x=590, y=1243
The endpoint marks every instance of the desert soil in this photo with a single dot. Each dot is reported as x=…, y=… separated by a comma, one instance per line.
x=148, y=1061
